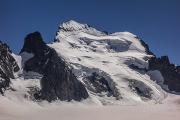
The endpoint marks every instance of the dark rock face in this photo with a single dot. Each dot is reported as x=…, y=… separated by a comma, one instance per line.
x=169, y=71
x=98, y=83
x=8, y=65
x=140, y=88
x=58, y=81
x=178, y=69
x=34, y=44
x=4, y=82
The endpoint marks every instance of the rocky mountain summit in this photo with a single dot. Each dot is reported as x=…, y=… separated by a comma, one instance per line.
x=85, y=63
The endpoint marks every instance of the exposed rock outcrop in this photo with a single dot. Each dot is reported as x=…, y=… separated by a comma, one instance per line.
x=8, y=66
x=178, y=69
x=170, y=72
x=140, y=88
x=58, y=81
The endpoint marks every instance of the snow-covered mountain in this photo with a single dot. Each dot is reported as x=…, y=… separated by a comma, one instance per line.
x=85, y=64
x=111, y=66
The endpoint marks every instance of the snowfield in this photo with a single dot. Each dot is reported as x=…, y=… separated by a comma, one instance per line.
x=27, y=110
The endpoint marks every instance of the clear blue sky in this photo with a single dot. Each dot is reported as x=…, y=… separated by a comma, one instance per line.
x=157, y=22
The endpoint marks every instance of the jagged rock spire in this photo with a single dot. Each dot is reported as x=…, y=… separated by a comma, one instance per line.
x=33, y=43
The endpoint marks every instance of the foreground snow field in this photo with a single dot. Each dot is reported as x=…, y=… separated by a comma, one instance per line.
x=11, y=110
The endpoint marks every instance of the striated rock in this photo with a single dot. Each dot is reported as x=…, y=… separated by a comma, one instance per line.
x=8, y=66
x=58, y=81
x=4, y=82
